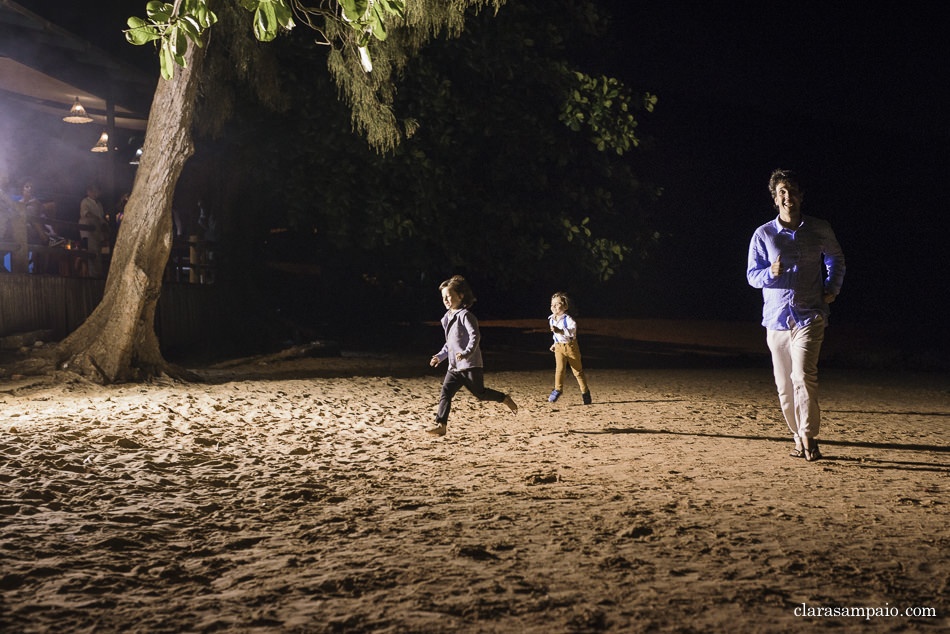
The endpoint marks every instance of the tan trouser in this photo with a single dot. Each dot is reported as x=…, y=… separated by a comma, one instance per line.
x=568, y=354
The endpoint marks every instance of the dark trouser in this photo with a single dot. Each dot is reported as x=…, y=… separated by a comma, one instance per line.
x=474, y=380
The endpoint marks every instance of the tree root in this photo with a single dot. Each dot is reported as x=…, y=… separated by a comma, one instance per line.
x=49, y=366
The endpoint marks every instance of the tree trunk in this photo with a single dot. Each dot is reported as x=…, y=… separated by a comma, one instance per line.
x=118, y=341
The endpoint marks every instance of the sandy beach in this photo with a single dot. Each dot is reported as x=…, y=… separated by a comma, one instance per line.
x=300, y=494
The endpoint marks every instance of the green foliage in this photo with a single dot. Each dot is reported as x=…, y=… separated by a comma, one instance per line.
x=491, y=180
x=487, y=178
x=360, y=38
x=173, y=26
x=606, y=108
x=367, y=18
x=270, y=16
x=606, y=254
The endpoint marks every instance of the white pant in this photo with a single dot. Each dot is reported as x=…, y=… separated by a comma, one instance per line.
x=795, y=364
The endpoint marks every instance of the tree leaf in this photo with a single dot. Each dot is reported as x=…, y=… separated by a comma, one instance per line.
x=283, y=15
x=376, y=22
x=265, y=22
x=141, y=32
x=167, y=61
x=191, y=28
x=159, y=12
x=180, y=39
x=365, y=60
x=395, y=7
x=205, y=16
x=354, y=10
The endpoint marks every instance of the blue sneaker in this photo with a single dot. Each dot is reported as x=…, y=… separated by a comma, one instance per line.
x=554, y=395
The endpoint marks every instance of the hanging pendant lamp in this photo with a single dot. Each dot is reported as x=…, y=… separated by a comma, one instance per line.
x=77, y=114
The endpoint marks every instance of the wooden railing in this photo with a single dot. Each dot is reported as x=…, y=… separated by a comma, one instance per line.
x=54, y=248
x=191, y=260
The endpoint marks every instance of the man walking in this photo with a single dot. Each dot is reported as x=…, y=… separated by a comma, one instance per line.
x=798, y=264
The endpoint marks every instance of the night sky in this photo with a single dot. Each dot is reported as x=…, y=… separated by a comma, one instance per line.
x=854, y=98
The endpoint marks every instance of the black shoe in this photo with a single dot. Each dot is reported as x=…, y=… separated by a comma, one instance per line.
x=797, y=453
x=811, y=450
x=586, y=397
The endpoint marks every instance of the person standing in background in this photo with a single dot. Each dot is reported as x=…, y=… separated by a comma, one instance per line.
x=92, y=214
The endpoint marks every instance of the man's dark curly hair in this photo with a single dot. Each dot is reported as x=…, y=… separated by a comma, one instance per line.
x=788, y=177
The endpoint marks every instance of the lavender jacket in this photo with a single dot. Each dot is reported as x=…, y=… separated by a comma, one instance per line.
x=461, y=335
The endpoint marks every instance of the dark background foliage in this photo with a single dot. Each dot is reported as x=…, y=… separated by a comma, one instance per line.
x=489, y=185
x=849, y=95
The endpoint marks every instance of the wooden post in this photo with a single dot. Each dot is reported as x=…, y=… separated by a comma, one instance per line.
x=193, y=260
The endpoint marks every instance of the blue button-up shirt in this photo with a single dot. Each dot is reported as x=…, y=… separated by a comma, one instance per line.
x=812, y=264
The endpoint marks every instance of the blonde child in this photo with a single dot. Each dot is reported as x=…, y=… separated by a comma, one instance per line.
x=463, y=353
x=565, y=348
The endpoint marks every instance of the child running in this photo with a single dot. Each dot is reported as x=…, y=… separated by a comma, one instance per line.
x=565, y=348
x=463, y=353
